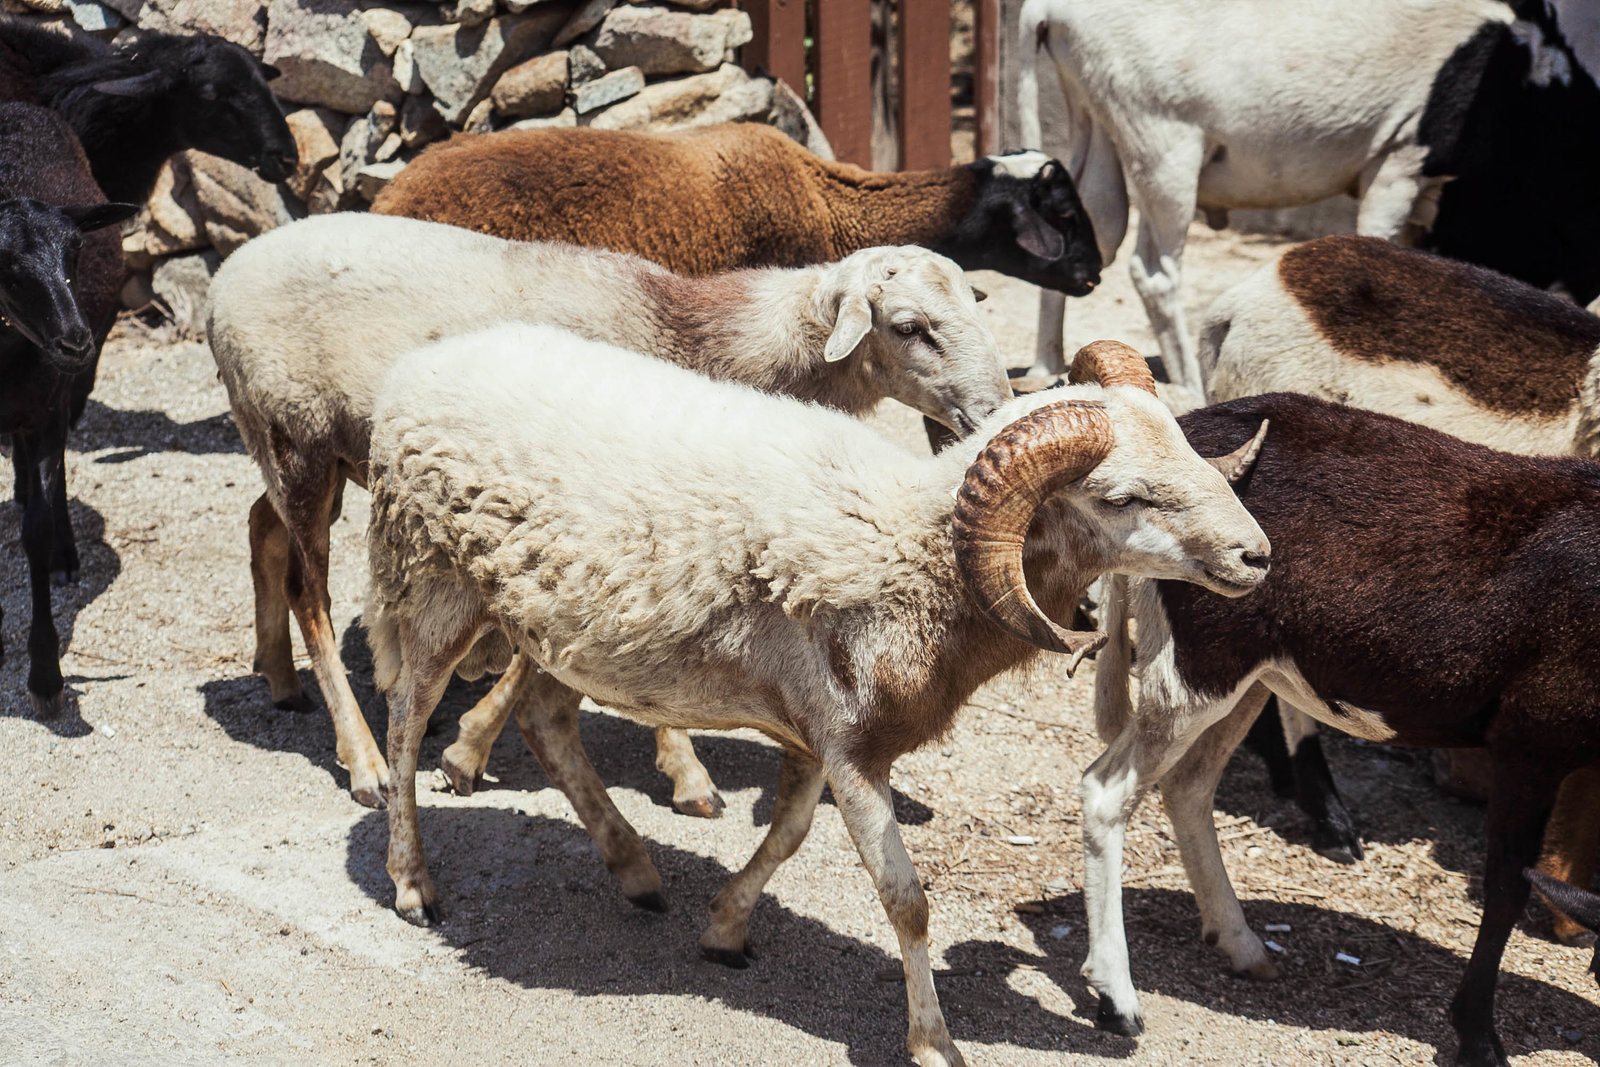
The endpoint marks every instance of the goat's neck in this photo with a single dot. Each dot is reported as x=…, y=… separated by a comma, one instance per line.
x=759, y=327
x=911, y=208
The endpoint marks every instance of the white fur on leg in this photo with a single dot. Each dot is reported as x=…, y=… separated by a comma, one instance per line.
x=1109, y=790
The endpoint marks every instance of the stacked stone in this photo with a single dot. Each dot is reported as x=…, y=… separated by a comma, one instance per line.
x=369, y=83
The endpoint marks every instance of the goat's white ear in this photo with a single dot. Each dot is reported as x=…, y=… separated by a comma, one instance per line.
x=850, y=326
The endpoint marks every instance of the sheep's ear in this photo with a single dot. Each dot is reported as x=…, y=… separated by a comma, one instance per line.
x=268, y=71
x=979, y=295
x=91, y=217
x=852, y=324
x=1036, y=236
x=138, y=85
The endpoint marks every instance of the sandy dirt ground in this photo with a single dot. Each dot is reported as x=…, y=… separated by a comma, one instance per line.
x=183, y=878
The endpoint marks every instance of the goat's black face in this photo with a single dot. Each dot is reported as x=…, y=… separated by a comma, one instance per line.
x=1028, y=222
x=217, y=96
x=39, y=247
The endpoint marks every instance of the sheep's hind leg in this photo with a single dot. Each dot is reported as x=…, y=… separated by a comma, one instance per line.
x=868, y=811
x=1188, y=792
x=726, y=939
x=465, y=761
x=547, y=715
x=269, y=569
x=424, y=672
x=693, y=791
x=1166, y=197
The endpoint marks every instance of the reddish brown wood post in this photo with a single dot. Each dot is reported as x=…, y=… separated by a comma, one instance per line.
x=924, y=84
x=843, y=71
x=986, y=75
x=779, y=44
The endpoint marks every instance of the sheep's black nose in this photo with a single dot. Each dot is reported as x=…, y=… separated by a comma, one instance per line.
x=1256, y=559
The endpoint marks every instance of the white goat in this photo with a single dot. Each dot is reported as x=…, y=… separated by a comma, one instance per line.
x=695, y=553
x=306, y=319
x=1248, y=104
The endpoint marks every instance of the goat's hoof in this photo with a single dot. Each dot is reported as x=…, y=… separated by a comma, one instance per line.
x=369, y=796
x=1488, y=1053
x=62, y=578
x=299, y=703
x=651, y=901
x=420, y=914
x=736, y=958
x=707, y=807
x=462, y=780
x=1110, y=1019
x=1340, y=846
x=47, y=707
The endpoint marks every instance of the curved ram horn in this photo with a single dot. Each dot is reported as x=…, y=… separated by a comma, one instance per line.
x=1111, y=363
x=1237, y=464
x=1016, y=473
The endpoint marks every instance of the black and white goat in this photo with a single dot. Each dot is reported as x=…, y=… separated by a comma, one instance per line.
x=1275, y=103
x=135, y=103
x=58, y=293
x=1424, y=591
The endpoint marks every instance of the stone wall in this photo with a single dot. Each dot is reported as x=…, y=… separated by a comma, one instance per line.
x=367, y=84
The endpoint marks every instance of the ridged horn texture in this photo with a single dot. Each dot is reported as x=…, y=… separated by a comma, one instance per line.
x=1004, y=488
x=1237, y=464
x=1111, y=363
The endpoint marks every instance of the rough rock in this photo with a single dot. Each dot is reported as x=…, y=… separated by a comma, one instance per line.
x=517, y=7
x=316, y=136
x=585, y=18
x=406, y=74
x=244, y=22
x=328, y=55
x=536, y=87
x=137, y=292
x=168, y=223
x=235, y=205
x=583, y=65
x=182, y=284
x=328, y=194
x=790, y=114
x=388, y=27
x=618, y=85
x=460, y=64
x=565, y=117
x=94, y=17
x=659, y=40
x=693, y=5
x=420, y=123
x=470, y=12
x=725, y=95
x=371, y=178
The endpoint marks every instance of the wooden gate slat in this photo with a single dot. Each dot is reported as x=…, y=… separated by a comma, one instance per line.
x=924, y=84
x=843, y=100
x=779, y=44
x=986, y=75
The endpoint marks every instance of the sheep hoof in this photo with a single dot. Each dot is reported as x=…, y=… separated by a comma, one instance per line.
x=369, y=796
x=702, y=807
x=47, y=707
x=1483, y=1053
x=651, y=901
x=421, y=914
x=61, y=579
x=1340, y=846
x=1110, y=1019
x=736, y=958
x=1576, y=937
x=299, y=703
x=462, y=780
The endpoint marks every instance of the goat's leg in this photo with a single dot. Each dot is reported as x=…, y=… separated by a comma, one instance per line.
x=63, y=544
x=424, y=672
x=1110, y=790
x=726, y=939
x=1519, y=807
x=1397, y=202
x=693, y=791
x=1188, y=792
x=465, y=761
x=1570, y=844
x=307, y=589
x=868, y=810
x=547, y=715
x=1166, y=198
x=269, y=570
x=1050, y=349
x=1333, y=830
x=42, y=459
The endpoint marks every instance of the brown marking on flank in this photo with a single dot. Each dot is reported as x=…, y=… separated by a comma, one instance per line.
x=1512, y=348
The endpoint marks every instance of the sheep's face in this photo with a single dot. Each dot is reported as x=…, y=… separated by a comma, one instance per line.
x=910, y=318
x=1161, y=511
x=39, y=247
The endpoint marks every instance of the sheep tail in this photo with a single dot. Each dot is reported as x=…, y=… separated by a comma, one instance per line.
x=1113, y=705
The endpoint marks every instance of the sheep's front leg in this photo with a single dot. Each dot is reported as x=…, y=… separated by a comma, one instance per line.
x=1188, y=791
x=547, y=715
x=868, y=811
x=693, y=791
x=1166, y=191
x=43, y=460
x=465, y=761
x=424, y=672
x=1110, y=790
x=269, y=569
x=726, y=939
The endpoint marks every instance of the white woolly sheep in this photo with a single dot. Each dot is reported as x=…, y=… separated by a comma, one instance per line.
x=306, y=319
x=696, y=553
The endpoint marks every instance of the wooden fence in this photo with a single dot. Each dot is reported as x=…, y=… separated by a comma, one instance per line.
x=839, y=63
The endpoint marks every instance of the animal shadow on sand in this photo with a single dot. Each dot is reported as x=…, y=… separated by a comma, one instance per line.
x=1403, y=984
x=623, y=752
x=526, y=900
x=143, y=433
x=98, y=567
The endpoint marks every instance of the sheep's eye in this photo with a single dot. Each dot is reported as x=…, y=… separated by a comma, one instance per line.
x=907, y=329
x=1122, y=501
